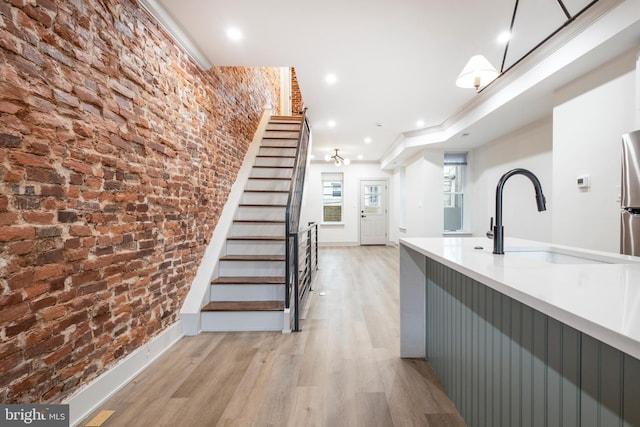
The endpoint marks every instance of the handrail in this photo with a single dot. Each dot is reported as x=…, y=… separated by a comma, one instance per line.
x=292, y=223
x=294, y=200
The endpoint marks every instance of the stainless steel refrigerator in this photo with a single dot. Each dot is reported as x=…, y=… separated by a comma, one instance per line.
x=630, y=195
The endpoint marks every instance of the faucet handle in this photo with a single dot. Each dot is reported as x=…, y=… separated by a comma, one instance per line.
x=490, y=232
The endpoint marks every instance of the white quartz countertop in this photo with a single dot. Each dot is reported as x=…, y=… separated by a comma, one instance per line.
x=601, y=299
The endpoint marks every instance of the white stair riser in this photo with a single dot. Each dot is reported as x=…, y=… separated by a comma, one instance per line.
x=275, y=142
x=282, y=134
x=260, y=213
x=269, y=151
x=252, y=229
x=247, y=292
x=271, y=172
x=221, y=321
x=274, y=161
x=293, y=127
x=253, y=247
x=265, y=198
x=251, y=268
x=269, y=185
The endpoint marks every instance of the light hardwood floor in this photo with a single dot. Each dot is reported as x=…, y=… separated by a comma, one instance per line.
x=343, y=369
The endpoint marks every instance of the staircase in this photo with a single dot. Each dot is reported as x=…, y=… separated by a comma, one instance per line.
x=249, y=292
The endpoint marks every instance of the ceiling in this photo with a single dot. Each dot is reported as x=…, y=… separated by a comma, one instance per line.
x=396, y=62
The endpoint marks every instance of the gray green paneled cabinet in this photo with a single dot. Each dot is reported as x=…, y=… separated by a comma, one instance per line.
x=520, y=340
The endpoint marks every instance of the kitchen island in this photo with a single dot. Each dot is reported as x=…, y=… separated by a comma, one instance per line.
x=542, y=335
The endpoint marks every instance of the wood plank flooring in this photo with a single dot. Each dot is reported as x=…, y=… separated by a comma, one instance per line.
x=343, y=369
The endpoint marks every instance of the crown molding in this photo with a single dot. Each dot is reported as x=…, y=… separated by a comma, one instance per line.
x=162, y=17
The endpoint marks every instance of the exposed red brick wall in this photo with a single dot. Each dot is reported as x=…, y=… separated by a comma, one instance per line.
x=296, y=96
x=116, y=156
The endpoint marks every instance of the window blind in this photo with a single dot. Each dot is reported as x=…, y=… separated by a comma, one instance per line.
x=455, y=158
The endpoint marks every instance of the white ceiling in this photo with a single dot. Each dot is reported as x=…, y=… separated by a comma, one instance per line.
x=396, y=61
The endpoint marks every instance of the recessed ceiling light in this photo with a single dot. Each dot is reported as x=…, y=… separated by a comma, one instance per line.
x=360, y=157
x=367, y=140
x=504, y=37
x=331, y=123
x=331, y=79
x=420, y=123
x=312, y=157
x=234, y=34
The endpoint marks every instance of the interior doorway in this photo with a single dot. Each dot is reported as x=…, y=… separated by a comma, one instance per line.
x=373, y=212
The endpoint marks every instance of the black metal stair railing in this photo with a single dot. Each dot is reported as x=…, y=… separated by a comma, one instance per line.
x=304, y=263
x=301, y=244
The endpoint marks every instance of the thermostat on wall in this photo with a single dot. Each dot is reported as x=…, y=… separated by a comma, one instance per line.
x=584, y=181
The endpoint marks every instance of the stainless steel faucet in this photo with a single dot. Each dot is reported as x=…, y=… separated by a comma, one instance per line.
x=498, y=230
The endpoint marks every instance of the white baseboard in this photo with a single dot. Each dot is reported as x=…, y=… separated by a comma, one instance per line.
x=286, y=321
x=91, y=396
x=338, y=244
x=325, y=244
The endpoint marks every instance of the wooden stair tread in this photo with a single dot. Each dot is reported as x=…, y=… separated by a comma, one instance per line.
x=263, y=205
x=260, y=221
x=279, y=146
x=253, y=258
x=252, y=280
x=244, y=306
x=267, y=177
x=271, y=156
x=261, y=238
x=291, y=118
x=292, y=138
x=267, y=191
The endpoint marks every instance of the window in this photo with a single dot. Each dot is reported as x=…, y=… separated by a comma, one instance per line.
x=332, y=197
x=454, y=175
x=372, y=199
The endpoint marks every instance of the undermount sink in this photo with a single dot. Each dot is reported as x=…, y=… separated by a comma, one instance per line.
x=556, y=257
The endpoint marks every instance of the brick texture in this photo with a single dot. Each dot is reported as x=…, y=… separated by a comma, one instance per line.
x=297, y=105
x=116, y=156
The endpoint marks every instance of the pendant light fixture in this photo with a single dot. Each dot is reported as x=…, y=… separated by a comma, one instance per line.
x=337, y=159
x=477, y=73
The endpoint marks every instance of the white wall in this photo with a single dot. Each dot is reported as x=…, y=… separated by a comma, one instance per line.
x=395, y=200
x=346, y=233
x=582, y=136
x=528, y=148
x=587, y=131
x=424, y=186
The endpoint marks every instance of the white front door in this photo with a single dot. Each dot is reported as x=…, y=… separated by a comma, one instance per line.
x=373, y=212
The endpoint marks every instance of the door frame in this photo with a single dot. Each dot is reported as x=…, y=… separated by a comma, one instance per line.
x=386, y=208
